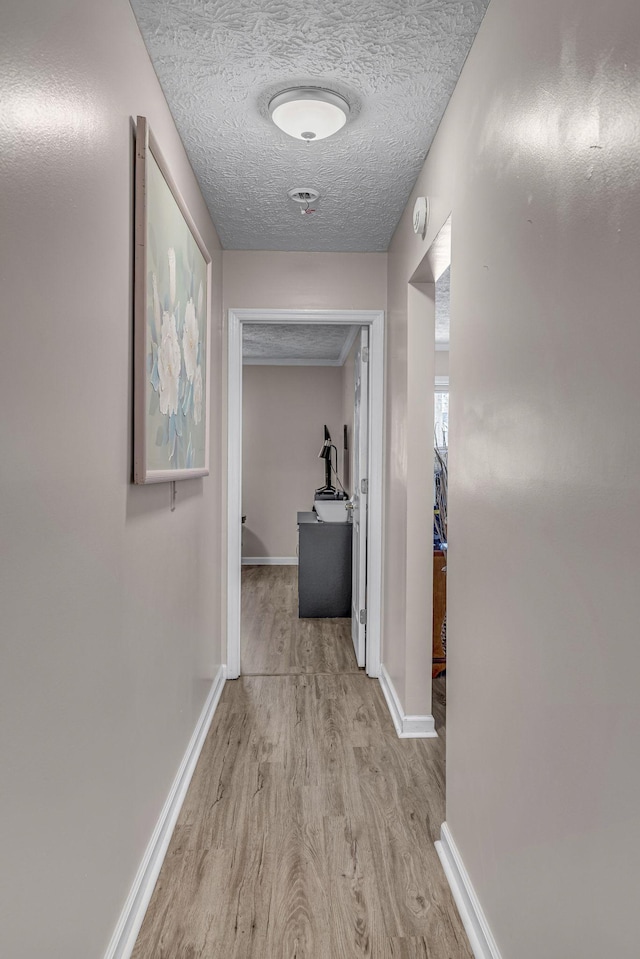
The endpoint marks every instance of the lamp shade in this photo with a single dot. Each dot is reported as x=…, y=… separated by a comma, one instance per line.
x=309, y=113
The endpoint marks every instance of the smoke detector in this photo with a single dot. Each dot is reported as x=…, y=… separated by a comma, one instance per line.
x=305, y=196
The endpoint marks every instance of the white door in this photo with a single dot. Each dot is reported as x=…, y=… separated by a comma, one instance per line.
x=359, y=497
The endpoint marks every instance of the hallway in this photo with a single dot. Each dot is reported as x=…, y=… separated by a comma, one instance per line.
x=308, y=827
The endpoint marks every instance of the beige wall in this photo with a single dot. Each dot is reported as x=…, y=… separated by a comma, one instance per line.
x=537, y=160
x=284, y=412
x=297, y=281
x=442, y=363
x=304, y=281
x=110, y=602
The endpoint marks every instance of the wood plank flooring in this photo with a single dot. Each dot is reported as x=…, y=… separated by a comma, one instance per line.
x=308, y=828
x=275, y=641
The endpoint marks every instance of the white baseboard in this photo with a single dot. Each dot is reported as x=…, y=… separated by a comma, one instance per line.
x=473, y=918
x=407, y=727
x=269, y=560
x=128, y=927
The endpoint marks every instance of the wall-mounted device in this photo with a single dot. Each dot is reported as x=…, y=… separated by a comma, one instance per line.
x=420, y=216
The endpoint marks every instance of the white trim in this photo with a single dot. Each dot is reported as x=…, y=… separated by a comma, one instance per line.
x=407, y=727
x=128, y=927
x=359, y=497
x=442, y=384
x=374, y=319
x=269, y=560
x=326, y=317
x=473, y=918
x=442, y=346
x=376, y=496
x=234, y=495
x=287, y=361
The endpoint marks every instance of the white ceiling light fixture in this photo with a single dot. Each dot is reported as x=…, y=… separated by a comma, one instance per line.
x=309, y=113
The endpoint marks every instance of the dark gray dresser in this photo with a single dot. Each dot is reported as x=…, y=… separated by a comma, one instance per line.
x=324, y=567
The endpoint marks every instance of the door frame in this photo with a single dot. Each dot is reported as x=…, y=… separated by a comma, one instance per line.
x=374, y=319
x=360, y=499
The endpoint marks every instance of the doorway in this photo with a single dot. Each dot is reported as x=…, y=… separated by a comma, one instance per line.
x=440, y=495
x=421, y=372
x=371, y=463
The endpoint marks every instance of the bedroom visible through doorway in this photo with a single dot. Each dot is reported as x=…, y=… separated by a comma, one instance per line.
x=296, y=446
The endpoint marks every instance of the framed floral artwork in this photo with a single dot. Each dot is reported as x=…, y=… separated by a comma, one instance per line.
x=171, y=327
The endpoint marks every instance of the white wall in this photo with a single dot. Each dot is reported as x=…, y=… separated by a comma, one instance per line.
x=284, y=412
x=110, y=602
x=348, y=410
x=538, y=160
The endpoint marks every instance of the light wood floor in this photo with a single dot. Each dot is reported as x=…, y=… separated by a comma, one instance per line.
x=308, y=828
x=275, y=641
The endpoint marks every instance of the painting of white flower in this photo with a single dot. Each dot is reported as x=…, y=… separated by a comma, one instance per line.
x=197, y=395
x=171, y=256
x=157, y=312
x=169, y=364
x=190, y=339
x=176, y=338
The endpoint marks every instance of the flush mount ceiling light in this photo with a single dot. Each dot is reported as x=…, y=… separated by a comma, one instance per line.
x=309, y=113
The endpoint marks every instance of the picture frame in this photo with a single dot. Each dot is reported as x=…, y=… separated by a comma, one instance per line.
x=172, y=326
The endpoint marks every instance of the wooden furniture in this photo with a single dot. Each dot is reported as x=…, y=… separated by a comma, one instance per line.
x=439, y=611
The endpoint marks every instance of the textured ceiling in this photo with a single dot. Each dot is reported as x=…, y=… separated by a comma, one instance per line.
x=308, y=344
x=221, y=61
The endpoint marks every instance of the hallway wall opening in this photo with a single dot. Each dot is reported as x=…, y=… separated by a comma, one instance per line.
x=373, y=320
